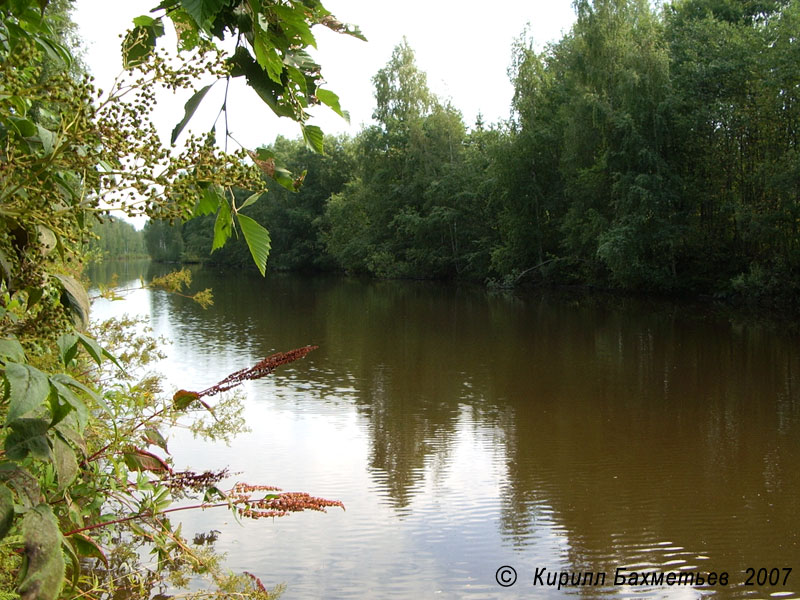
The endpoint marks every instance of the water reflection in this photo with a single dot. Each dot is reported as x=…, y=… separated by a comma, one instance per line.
x=465, y=431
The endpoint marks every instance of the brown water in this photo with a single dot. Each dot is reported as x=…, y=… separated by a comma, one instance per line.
x=465, y=432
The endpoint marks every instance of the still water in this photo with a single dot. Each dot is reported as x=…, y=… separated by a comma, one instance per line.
x=465, y=432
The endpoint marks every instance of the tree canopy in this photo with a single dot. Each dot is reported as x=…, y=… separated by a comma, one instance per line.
x=650, y=149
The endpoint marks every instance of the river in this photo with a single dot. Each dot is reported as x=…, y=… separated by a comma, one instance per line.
x=466, y=431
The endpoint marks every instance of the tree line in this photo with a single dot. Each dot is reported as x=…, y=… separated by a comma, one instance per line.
x=116, y=239
x=650, y=149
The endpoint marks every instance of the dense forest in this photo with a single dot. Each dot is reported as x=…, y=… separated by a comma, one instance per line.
x=115, y=239
x=651, y=149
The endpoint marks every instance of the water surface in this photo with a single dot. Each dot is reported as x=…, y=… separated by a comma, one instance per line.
x=465, y=431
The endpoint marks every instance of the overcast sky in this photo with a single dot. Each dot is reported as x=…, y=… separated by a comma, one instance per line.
x=464, y=47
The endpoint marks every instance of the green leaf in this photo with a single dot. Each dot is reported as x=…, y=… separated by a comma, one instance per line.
x=331, y=100
x=67, y=347
x=223, y=226
x=29, y=389
x=257, y=239
x=6, y=510
x=144, y=21
x=92, y=347
x=69, y=397
x=25, y=127
x=44, y=575
x=57, y=52
x=113, y=359
x=11, y=348
x=47, y=138
x=300, y=81
x=65, y=461
x=73, y=383
x=213, y=492
x=137, y=46
x=66, y=430
x=210, y=201
x=5, y=267
x=59, y=409
x=26, y=485
x=313, y=137
x=153, y=436
x=28, y=436
x=76, y=563
x=140, y=42
x=34, y=295
x=86, y=546
x=75, y=298
x=250, y=200
x=270, y=92
x=266, y=56
x=67, y=380
x=294, y=23
x=190, y=107
x=203, y=11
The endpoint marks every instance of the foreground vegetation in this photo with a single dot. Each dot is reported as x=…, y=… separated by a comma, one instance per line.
x=650, y=149
x=86, y=479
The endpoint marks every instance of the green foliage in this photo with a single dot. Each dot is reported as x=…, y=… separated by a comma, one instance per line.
x=85, y=474
x=410, y=196
x=649, y=149
x=164, y=242
x=117, y=239
x=257, y=239
x=269, y=52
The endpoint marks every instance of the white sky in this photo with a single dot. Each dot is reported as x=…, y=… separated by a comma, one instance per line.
x=464, y=46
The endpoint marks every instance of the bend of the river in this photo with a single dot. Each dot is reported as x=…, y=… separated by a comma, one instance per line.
x=465, y=431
